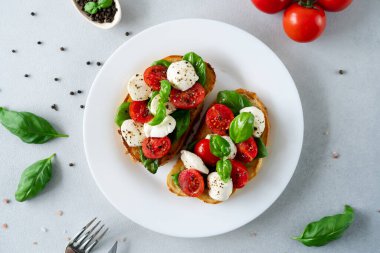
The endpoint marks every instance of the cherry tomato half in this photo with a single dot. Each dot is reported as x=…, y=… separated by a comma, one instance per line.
x=202, y=149
x=155, y=148
x=304, y=24
x=139, y=112
x=334, y=5
x=218, y=118
x=271, y=6
x=246, y=150
x=191, y=182
x=153, y=75
x=239, y=174
x=188, y=99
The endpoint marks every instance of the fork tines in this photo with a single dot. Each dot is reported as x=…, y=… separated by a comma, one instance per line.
x=87, y=239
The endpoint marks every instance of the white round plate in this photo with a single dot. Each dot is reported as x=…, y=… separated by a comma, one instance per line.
x=240, y=61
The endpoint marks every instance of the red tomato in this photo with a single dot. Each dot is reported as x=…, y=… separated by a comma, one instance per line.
x=155, y=148
x=246, y=150
x=304, y=24
x=334, y=5
x=139, y=112
x=153, y=75
x=218, y=118
x=188, y=99
x=239, y=174
x=202, y=149
x=191, y=182
x=271, y=6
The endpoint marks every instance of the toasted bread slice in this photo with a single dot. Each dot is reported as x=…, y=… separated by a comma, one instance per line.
x=253, y=167
x=194, y=114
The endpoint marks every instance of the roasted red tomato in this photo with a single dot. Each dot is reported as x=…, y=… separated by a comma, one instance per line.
x=246, y=150
x=188, y=99
x=304, y=24
x=239, y=174
x=218, y=119
x=334, y=5
x=153, y=75
x=139, y=112
x=155, y=148
x=191, y=182
x=202, y=149
x=271, y=6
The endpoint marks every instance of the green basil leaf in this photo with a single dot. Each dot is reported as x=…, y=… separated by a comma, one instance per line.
x=219, y=146
x=150, y=164
x=224, y=168
x=160, y=115
x=327, y=229
x=91, y=7
x=261, y=149
x=241, y=127
x=104, y=3
x=122, y=113
x=182, y=118
x=28, y=127
x=198, y=64
x=165, y=91
x=34, y=179
x=164, y=63
x=233, y=100
x=154, y=93
x=175, y=179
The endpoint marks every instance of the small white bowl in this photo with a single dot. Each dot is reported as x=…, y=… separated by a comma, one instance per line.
x=104, y=25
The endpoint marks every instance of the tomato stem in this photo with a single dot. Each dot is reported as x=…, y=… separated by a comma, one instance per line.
x=307, y=3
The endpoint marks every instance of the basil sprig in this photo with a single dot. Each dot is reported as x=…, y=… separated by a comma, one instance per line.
x=161, y=108
x=182, y=118
x=261, y=149
x=327, y=229
x=94, y=7
x=29, y=127
x=198, y=64
x=122, y=113
x=164, y=63
x=233, y=100
x=241, y=127
x=224, y=168
x=219, y=146
x=34, y=179
x=175, y=178
x=150, y=164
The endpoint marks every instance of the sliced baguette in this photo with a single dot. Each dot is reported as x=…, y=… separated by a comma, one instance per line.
x=253, y=167
x=134, y=152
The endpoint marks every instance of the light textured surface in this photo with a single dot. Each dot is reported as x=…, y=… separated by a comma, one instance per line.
x=346, y=106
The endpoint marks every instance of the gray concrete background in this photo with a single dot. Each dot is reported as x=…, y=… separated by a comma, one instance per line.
x=344, y=105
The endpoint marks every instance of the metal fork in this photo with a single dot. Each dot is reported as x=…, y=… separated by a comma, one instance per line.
x=86, y=239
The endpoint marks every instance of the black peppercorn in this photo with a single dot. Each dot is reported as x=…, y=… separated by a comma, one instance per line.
x=39, y=42
x=82, y=106
x=72, y=93
x=33, y=13
x=88, y=63
x=62, y=48
x=79, y=91
x=26, y=75
x=56, y=79
x=14, y=51
x=71, y=164
x=99, y=63
x=341, y=71
x=127, y=34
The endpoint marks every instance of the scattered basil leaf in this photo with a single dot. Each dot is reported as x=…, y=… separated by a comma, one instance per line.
x=159, y=116
x=327, y=229
x=122, y=113
x=150, y=164
x=224, y=168
x=261, y=149
x=191, y=146
x=154, y=93
x=233, y=100
x=161, y=108
x=182, y=118
x=105, y=3
x=91, y=7
x=175, y=179
x=219, y=146
x=164, y=63
x=34, y=179
x=198, y=64
x=29, y=127
x=241, y=127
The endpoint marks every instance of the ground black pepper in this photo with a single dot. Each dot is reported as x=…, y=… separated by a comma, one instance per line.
x=79, y=91
x=88, y=63
x=71, y=164
x=33, y=13
x=62, y=48
x=72, y=93
x=14, y=51
x=103, y=15
x=56, y=79
x=39, y=42
x=127, y=34
x=54, y=107
x=82, y=106
x=341, y=71
x=26, y=75
x=99, y=63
